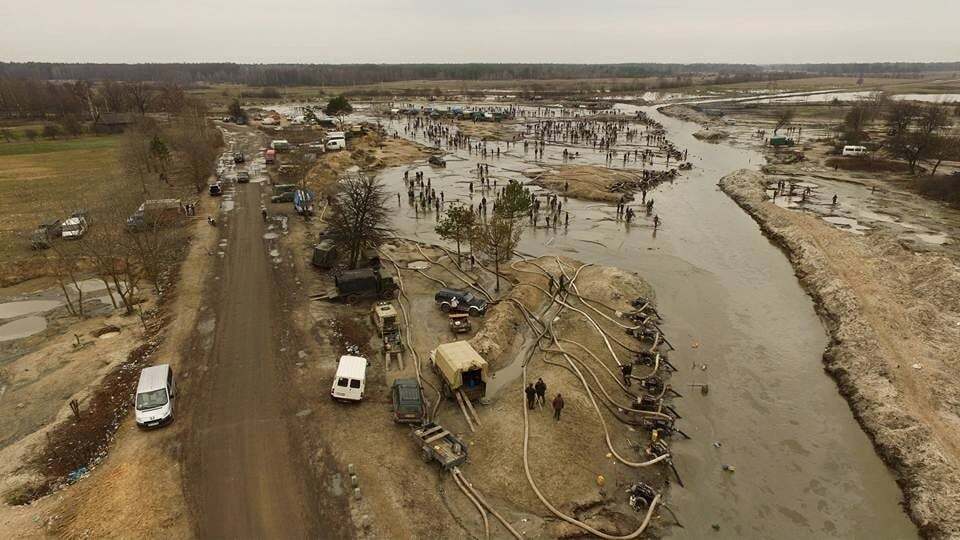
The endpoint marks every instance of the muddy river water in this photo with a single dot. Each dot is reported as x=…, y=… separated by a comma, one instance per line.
x=742, y=324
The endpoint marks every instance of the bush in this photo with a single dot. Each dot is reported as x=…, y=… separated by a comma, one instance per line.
x=51, y=131
x=867, y=164
x=943, y=187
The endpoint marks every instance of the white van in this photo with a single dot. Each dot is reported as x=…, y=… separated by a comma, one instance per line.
x=336, y=144
x=854, y=150
x=155, y=392
x=350, y=380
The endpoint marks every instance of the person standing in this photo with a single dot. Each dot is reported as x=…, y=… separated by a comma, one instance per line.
x=557, y=407
x=541, y=388
x=531, y=395
x=626, y=370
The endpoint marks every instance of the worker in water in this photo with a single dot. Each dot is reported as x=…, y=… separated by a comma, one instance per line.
x=656, y=222
x=531, y=395
x=263, y=211
x=557, y=407
x=541, y=388
x=834, y=200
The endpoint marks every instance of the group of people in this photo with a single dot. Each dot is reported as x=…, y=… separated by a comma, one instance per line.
x=537, y=396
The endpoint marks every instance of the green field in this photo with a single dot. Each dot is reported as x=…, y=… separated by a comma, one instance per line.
x=40, y=180
x=45, y=146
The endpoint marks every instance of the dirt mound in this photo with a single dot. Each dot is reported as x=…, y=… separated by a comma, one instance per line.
x=369, y=152
x=714, y=136
x=894, y=321
x=587, y=182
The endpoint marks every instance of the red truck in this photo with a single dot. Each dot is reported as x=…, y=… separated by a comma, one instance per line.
x=271, y=156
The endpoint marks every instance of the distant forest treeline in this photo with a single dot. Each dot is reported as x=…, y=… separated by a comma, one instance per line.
x=351, y=74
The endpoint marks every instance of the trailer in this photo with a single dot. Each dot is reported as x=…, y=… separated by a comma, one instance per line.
x=438, y=444
x=461, y=369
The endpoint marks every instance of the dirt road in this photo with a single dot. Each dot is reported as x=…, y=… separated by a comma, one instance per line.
x=244, y=473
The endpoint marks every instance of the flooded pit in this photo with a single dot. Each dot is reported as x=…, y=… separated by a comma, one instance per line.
x=10, y=310
x=731, y=301
x=21, y=328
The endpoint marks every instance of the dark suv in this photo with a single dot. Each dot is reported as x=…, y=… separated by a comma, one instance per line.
x=462, y=301
x=407, y=401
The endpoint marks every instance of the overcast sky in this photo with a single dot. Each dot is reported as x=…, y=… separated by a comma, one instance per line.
x=391, y=31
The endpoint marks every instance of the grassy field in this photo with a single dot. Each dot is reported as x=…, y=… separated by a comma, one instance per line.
x=40, y=180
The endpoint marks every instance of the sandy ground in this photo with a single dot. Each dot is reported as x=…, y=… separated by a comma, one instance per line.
x=894, y=319
x=588, y=182
x=112, y=501
x=566, y=457
x=372, y=151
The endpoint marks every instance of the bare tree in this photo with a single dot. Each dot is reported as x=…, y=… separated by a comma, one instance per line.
x=899, y=116
x=497, y=238
x=113, y=96
x=196, y=143
x=140, y=95
x=782, y=117
x=171, y=98
x=943, y=147
x=137, y=159
x=920, y=138
x=358, y=217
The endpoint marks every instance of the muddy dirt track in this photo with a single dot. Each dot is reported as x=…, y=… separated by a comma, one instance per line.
x=244, y=475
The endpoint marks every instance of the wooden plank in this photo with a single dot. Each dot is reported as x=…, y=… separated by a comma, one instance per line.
x=427, y=432
x=438, y=436
x=469, y=405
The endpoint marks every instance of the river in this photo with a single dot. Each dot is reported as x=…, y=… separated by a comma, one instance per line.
x=742, y=324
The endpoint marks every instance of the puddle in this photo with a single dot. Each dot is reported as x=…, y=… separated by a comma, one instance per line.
x=878, y=216
x=11, y=310
x=938, y=239
x=847, y=224
x=22, y=328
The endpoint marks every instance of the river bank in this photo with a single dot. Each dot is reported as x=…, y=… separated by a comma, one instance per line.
x=894, y=321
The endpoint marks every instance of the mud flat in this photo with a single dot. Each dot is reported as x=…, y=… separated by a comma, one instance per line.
x=894, y=320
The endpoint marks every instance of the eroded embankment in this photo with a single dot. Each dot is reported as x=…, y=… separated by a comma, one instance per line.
x=894, y=321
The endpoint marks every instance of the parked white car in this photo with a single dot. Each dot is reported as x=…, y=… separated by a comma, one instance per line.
x=855, y=151
x=74, y=228
x=155, y=393
x=350, y=380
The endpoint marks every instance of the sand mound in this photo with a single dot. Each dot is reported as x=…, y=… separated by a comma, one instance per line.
x=711, y=135
x=587, y=182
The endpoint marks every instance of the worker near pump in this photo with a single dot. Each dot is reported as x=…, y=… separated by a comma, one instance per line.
x=531, y=395
x=626, y=370
x=541, y=388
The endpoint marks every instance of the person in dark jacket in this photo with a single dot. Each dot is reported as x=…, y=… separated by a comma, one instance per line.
x=531, y=395
x=626, y=370
x=541, y=388
x=557, y=407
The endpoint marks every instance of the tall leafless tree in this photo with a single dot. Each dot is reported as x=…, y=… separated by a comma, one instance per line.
x=358, y=217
